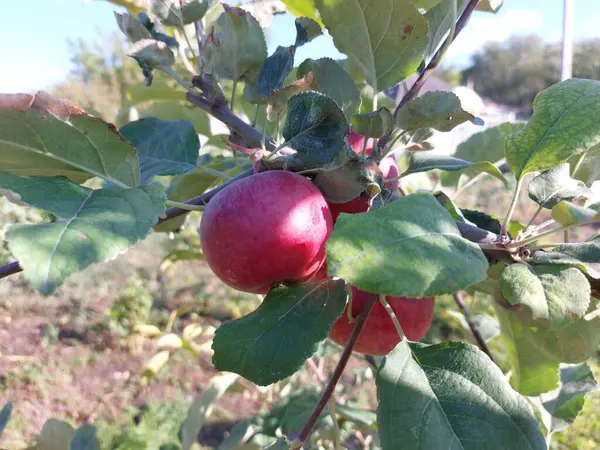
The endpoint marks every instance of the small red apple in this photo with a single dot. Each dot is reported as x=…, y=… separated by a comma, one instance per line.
x=268, y=228
x=379, y=335
x=358, y=205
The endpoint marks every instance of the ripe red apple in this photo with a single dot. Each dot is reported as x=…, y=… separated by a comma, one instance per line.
x=268, y=228
x=379, y=335
x=358, y=205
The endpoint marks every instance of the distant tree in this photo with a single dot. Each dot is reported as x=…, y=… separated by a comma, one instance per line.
x=514, y=71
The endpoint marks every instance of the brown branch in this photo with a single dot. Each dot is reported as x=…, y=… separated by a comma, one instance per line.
x=335, y=377
x=474, y=330
x=434, y=62
x=10, y=269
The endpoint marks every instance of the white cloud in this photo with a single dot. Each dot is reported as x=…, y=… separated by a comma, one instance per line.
x=486, y=28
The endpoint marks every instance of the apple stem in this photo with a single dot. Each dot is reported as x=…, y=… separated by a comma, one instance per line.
x=392, y=315
x=335, y=377
x=458, y=297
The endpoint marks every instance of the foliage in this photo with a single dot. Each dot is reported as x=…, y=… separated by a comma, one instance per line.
x=114, y=184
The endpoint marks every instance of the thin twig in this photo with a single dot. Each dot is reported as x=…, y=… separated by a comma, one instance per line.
x=458, y=297
x=10, y=269
x=335, y=377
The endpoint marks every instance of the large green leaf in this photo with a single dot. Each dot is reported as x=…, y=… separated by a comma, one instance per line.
x=450, y=396
x=584, y=255
x=93, y=226
x=535, y=349
x=439, y=110
x=386, y=41
x=486, y=145
x=556, y=293
x=332, y=80
x=315, y=127
x=165, y=147
x=240, y=46
x=274, y=341
x=564, y=123
x=440, y=22
x=589, y=168
x=565, y=403
x=426, y=161
x=373, y=124
x=410, y=247
x=41, y=135
x=554, y=185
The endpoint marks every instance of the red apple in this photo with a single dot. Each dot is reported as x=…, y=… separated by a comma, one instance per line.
x=379, y=335
x=358, y=205
x=268, y=228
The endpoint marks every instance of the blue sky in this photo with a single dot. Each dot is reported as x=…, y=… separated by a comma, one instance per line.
x=35, y=53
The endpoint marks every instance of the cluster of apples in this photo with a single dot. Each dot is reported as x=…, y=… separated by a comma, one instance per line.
x=272, y=228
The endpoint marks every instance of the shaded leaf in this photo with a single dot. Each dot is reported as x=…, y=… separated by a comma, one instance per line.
x=164, y=147
x=272, y=342
x=567, y=213
x=5, y=416
x=556, y=293
x=485, y=221
x=563, y=124
x=131, y=27
x=238, y=45
x=589, y=169
x=85, y=438
x=344, y=183
x=554, y=185
x=306, y=30
x=564, y=404
x=55, y=435
x=34, y=131
x=171, y=14
x=279, y=98
x=275, y=70
x=410, y=247
x=280, y=444
x=584, y=255
x=333, y=81
x=450, y=396
x=315, y=127
x=151, y=54
x=373, y=124
x=202, y=407
x=438, y=110
x=386, y=42
x=93, y=226
x=449, y=205
x=425, y=4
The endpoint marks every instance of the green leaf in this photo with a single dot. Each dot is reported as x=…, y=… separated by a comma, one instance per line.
x=5, y=416
x=425, y=4
x=303, y=8
x=438, y=110
x=85, y=438
x=489, y=5
x=535, y=348
x=275, y=70
x=93, y=226
x=357, y=414
x=55, y=435
x=333, y=81
x=450, y=396
x=168, y=110
x=426, y=161
x=171, y=14
x=486, y=145
x=482, y=220
x=584, y=255
x=410, y=247
x=279, y=98
x=386, y=42
x=564, y=123
x=131, y=27
x=280, y=444
x=564, y=404
x=567, y=213
x=165, y=147
x=554, y=185
x=291, y=414
x=589, y=169
x=440, y=22
x=273, y=342
x=373, y=124
x=151, y=54
x=315, y=127
x=241, y=45
x=42, y=135
x=306, y=30
x=556, y=293
x=202, y=408
x=449, y=205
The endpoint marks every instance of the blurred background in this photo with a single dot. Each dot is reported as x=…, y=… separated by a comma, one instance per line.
x=89, y=352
